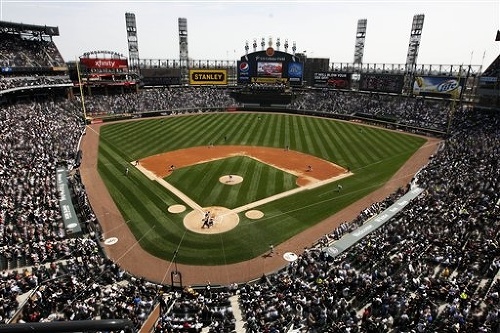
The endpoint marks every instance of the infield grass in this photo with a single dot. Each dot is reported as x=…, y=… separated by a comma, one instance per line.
x=202, y=183
x=372, y=154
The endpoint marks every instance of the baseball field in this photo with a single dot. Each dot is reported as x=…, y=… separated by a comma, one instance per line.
x=261, y=178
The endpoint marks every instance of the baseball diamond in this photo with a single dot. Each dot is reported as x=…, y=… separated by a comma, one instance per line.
x=292, y=222
x=283, y=159
x=268, y=191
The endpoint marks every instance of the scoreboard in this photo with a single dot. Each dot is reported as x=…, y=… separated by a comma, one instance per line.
x=390, y=83
x=270, y=66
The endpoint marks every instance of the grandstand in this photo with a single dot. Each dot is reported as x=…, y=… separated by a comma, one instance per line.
x=30, y=62
x=433, y=267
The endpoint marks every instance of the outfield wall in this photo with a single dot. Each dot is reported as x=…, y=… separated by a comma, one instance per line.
x=282, y=109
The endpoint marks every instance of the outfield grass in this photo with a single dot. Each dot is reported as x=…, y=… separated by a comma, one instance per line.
x=373, y=154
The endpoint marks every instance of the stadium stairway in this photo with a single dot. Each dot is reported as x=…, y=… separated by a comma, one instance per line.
x=237, y=314
x=240, y=323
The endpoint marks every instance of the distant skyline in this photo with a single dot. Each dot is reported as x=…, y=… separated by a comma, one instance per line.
x=454, y=32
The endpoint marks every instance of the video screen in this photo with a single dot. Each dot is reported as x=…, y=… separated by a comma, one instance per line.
x=270, y=69
x=381, y=82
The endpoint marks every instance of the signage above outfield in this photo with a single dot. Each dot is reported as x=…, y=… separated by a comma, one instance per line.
x=387, y=83
x=270, y=66
x=339, y=80
x=208, y=77
x=438, y=86
x=104, y=60
x=102, y=53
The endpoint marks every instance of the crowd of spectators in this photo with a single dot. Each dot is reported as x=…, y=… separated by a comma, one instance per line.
x=59, y=278
x=17, y=51
x=434, y=267
x=410, y=111
x=431, y=268
x=38, y=54
x=35, y=138
x=159, y=99
x=10, y=82
x=88, y=287
x=190, y=310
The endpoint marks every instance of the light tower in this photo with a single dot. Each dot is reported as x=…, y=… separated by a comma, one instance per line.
x=359, y=47
x=133, y=45
x=411, y=57
x=183, y=50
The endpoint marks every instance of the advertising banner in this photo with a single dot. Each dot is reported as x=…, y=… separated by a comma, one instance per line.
x=243, y=71
x=101, y=63
x=208, y=77
x=295, y=72
x=332, y=80
x=71, y=223
x=438, y=85
x=269, y=80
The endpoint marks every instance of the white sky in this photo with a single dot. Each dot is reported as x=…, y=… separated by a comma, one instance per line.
x=454, y=32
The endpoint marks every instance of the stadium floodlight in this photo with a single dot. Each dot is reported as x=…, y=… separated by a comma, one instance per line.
x=411, y=57
x=183, y=49
x=415, y=37
x=359, y=47
x=133, y=45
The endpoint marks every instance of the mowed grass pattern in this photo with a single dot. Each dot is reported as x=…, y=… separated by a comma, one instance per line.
x=373, y=154
x=201, y=181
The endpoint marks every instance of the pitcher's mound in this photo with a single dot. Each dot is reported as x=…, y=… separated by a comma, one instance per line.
x=231, y=179
x=223, y=219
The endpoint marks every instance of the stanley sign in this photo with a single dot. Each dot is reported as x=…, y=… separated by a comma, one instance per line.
x=207, y=76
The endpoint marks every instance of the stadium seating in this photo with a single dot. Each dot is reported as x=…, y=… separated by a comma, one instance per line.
x=433, y=268
x=29, y=62
x=17, y=51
